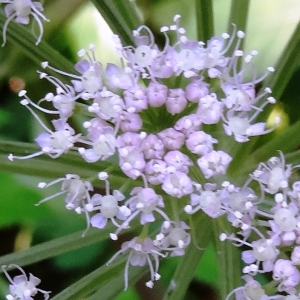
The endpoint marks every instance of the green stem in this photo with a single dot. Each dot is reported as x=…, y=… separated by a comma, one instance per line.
x=186, y=268
x=228, y=257
x=56, y=247
x=204, y=19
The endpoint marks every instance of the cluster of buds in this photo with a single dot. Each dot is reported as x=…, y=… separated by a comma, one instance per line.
x=160, y=116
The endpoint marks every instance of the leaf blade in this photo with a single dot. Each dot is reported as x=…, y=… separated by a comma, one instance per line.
x=121, y=16
x=186, y=268
x=204, y=19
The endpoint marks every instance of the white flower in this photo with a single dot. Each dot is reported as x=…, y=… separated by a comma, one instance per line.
x=20, y=11
x=21, y=287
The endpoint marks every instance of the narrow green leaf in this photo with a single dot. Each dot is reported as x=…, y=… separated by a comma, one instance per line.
x=186, y=268
x=228, y=257
x=286, y=65
x=286, y=142
x=238, y=16
x=204, y=19
x=293, y=158
x=22, y=37
x=44, y=166
x=239, y=11
x=121, y=16
x=59, y=12
x=116, y=285
x=56, y=247
x=69, y=163
x=91, y=282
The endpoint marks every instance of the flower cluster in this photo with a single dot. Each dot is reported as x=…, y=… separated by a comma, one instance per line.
x=272, y=217
x=160, y=115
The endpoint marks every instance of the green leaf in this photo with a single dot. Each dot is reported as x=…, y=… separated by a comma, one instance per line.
x=89, y=283
x=115, y=286
x=24, y=198
x=70, y=163
x=108, y=278
x=228, y=258
x=204, y=19
x=121, y=16
x=293, y=158
x=238, y=16
x=286, y=65
x=239, y=11
x=22, y=37
x=56, y=247
x=288, y=141
x=59, y=12
x=43, y=166
x=187, y=267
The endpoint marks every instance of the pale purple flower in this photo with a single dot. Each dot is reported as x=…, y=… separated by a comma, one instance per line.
x=239, y=98
x=214, y=163
x=102, y=139
x=20, y=11
x=118, y=78
x=64, y=100
x=188, y=124
x=130, y=122
x=295, y=256
x=240, y=127
x=190, y=58
x=136, y=98
x=171, y=138
x=285, y=217
x=52, y=143
x=162, y=66
x=200, y=143
x=91, y=70
x=153, y=147
x=251, y=291
x=196, y=89
x=177, y=184
x=145, y=201
x=176, y=101
x=89, y=83
x=131, y=157
x=283, y=238
x=141, y=252
x=155, y=171
x=173, y=237
x=157, y=94
x=132, y=161
x=129, y=139
x=107, y=105
x=77, y=194
x=208, y=199
x=273, y=176
x=241, y=205
x=210, y=109
x=58, y=142
x=287, y=274
x=108, y=205
x=263, y=251
x=22, y=287
x=178, y=161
